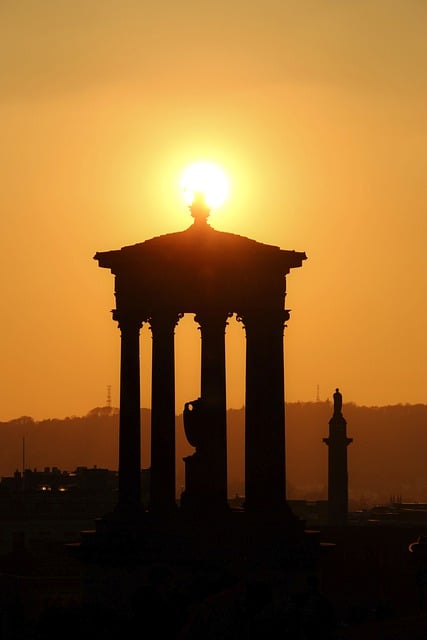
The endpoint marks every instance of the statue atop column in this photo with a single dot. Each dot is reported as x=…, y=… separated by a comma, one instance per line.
x=337, y=402
x=337, y=443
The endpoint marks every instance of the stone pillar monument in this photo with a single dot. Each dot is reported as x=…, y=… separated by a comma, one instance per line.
x=337, y=443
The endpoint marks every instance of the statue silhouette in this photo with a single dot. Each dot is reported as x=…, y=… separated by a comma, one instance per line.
x=337, y=402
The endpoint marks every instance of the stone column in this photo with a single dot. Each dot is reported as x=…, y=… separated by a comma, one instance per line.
x=213, y=393
x=130, y=415
x=265, y=472
x=162, y=481
x=337, y=443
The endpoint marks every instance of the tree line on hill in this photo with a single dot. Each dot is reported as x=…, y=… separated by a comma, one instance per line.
x=386, y=458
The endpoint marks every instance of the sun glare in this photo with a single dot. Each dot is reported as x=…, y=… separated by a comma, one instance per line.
x=207, y=179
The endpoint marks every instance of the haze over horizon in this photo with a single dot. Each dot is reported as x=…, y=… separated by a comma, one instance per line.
x=316, y=110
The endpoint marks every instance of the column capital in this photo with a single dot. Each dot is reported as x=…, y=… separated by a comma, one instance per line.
x=127, y=321
x=260, y=318
x=164, y=321
x=212, y=318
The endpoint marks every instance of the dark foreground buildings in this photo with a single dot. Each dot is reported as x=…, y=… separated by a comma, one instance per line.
x=368, y=579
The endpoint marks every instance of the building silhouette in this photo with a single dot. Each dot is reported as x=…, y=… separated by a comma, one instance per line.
x=212, y=275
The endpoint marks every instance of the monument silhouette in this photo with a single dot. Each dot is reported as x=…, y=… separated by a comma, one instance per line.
x=337, y=444
x=212, y=275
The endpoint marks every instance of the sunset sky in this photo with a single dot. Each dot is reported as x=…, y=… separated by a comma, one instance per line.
x=316, y=109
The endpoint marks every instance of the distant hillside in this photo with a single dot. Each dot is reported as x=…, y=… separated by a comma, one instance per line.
x=387, y=456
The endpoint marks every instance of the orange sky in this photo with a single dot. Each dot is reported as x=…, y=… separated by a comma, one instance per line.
x=318, y=112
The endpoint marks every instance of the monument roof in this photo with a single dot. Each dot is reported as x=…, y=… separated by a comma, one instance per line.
x=200, y=244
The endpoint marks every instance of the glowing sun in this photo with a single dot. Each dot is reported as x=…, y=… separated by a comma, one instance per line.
x=206, y=179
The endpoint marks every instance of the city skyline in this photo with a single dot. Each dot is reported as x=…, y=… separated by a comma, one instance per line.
x=316, y=111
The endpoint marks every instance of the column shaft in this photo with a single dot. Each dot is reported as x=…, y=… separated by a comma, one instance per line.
x=163, y=490
x=130, y=416
x=337, y=443
x=265, y=468
x=213, y=393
